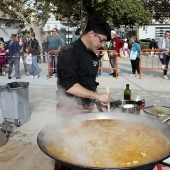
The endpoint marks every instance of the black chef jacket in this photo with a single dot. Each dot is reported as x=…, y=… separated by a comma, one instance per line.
x=76, y=64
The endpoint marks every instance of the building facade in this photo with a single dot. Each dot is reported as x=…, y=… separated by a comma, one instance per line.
x=5, y=28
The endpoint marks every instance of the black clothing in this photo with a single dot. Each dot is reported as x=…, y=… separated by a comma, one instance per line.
x=153, y=44
x=111, y=45
x=34, y=45
x=135, y=66
x=76, y=64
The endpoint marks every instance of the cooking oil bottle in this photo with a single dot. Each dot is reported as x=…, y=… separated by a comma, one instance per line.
x=127, y=93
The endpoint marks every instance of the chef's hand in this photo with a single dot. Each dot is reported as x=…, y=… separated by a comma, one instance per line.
x=104, y=98
x=100, y=106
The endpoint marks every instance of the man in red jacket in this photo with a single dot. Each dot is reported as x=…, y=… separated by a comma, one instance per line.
x=115, y=44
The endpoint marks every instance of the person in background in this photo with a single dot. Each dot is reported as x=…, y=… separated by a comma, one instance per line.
x=126, y=48
x=153, y=45
x=23, y=42
x=2, y=39
x=29, y=61
x=54, y=43
x=13, y=48
x=33, y=43
x=164, y=45
x=135, y=62
x=77, y=35
x=3, y=58
x=115, y=44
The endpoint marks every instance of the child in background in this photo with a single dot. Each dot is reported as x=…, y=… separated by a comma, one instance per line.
x=126, y=51
x=3, y=58
x=29, y=61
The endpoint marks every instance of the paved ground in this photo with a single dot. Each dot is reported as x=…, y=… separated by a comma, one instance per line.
x=42, y=103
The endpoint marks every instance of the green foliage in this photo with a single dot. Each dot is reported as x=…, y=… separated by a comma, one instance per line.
x=118, y=12
x=22, y=11
x=158, y=9
x=144, y=46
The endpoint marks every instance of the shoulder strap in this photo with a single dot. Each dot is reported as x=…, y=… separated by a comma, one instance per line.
x=10, y=43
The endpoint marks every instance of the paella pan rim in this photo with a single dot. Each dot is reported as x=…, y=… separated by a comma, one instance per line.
x=146, y=110
x=78, y=166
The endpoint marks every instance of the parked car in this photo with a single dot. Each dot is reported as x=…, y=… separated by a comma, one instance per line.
x=145, y=41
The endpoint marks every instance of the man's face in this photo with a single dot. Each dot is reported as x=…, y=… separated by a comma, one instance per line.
x=54, y=32
x=97, y=41
x=167, y=35
x=112, y=35
x=19, y=35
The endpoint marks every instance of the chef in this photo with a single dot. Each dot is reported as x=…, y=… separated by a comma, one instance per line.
x=78, y=65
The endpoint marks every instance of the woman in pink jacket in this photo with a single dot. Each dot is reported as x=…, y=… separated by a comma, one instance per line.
x=2, y=57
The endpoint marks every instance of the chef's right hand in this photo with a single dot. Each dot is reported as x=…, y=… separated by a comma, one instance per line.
x=104, y=97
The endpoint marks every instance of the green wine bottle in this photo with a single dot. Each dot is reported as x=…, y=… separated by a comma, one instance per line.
x=127, y=93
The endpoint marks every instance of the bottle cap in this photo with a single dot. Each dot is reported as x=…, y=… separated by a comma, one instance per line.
x=137, y=93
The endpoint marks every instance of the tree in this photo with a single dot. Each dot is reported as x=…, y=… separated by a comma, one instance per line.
x=29, y=13
x=159, y=9
x=35, y=13
x=69, y=10
x=117, y=12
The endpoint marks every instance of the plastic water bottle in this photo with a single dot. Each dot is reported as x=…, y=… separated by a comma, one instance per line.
x=137, y=98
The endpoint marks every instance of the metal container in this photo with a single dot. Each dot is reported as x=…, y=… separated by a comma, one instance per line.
x=158, y=111
x=129, y=106
x=14, y=99
x=156, y=124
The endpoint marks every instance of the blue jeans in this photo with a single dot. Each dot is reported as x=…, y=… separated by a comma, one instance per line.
x=21, y=54
x=14, y=61
x=53, y=62
x=165, y=61
x=30, y=69
x=35, y=67
x=45, y=57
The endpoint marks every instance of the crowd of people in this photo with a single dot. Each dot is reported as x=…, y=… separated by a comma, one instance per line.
x=132, y=48
x=19, y=47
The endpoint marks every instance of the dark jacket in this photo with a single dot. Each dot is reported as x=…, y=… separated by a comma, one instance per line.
x=76, y=64
x=116, y=44
x=14, y=48
x=24, y=43
x=153, y=44
x=34, y=45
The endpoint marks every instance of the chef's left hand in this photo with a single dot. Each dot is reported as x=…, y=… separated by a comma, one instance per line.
x=100, y=106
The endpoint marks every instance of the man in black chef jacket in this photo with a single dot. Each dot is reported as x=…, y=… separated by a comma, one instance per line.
x=78, y=65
